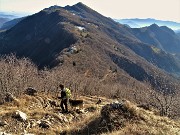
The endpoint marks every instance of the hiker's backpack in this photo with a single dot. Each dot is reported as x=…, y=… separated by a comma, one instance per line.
x=68, y=93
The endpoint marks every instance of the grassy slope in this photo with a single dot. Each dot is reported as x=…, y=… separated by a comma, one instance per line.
x=38, y=108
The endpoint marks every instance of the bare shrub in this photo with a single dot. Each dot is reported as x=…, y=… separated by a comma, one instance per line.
x=165, y=98
x=18, y=74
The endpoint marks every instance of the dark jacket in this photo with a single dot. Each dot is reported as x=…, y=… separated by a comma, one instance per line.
x=63, y=94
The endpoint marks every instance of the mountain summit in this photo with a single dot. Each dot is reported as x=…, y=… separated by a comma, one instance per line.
x=59, y=36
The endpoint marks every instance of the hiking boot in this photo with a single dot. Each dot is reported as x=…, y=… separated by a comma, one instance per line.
x=66, y=111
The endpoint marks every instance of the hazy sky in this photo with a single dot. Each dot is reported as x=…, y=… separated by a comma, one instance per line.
x=158, y=9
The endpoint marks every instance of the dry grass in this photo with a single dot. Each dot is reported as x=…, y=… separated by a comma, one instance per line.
x=147, y=124
x=146, y=129
x=17, y=75
x=35, y=110
x=83, y=123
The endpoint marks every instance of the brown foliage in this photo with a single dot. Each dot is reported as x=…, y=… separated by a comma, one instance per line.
x=18, y=74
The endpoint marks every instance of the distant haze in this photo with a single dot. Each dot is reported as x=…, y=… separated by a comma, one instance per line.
x=138, y=23
x=158, y=9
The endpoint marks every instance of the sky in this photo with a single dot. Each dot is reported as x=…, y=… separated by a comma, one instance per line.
x=116, y=9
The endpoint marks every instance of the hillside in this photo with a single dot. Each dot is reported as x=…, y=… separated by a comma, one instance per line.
x=9, y=24
x=45, y=36
x=7, y=16
x=3, y=20
x=161, y=37
x=87, y=48
x=41, y=114
x=178, y=34
x=98, y=59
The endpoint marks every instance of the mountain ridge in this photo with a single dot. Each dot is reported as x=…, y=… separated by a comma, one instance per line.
x=137, y=23
x=52, y=34
x=95, y=57
x=162, y=37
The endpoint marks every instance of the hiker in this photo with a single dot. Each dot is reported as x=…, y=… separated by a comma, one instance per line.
x=65, y=95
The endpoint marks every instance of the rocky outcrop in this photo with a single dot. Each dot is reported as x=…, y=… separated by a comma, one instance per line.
x=19, y=116
x=3, y=123
x=30, y=91
x=94, y=119
x=124, y=117
x=116, y=115
x=4, y=133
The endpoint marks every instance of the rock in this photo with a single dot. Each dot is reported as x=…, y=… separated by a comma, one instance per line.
x=79, y=111
x=9, y=97
x=4, y=133
x=44, y=124
x=20, y=116
x=30, y=91
x=116, y=105
x=3, y=123
x=74, y=50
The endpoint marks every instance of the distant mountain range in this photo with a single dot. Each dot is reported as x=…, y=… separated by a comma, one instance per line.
x=9, y=16
x=80, y=39
x=4, y=17
x=178, y=34
x=9, y=24
x=3, y=20
x=138, y=23
x=162, y=37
